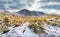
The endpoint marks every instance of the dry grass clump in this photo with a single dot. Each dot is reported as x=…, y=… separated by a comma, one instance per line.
x=36, y=26
x=3, y=28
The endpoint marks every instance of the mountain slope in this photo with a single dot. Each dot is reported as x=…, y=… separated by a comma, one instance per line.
x=26, y=12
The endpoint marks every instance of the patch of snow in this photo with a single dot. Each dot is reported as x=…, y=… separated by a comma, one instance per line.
x=54, y=30
x=25, y=31
x=20, y=31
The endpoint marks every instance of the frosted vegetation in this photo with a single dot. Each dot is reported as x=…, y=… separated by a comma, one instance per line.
x=13, y=25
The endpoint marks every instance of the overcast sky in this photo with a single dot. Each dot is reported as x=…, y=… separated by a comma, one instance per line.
x=48, y=6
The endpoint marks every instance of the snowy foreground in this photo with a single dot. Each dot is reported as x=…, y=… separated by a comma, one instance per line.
x=24, y=31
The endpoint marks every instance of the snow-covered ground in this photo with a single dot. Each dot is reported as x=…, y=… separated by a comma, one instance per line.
x=20, y=31
x=25, y=31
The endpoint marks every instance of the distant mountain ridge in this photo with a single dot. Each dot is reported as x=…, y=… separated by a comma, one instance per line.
x=26, y=12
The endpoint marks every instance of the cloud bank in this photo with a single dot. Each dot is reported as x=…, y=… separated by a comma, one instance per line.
x=48, y=6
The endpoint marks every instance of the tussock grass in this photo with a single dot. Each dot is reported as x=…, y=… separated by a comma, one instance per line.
x=35, y=23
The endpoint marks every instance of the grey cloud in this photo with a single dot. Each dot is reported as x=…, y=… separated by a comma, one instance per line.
x=2, y=1
x=25, y=2
x=42, y=1
x=14, y=6
x=2, y=7
x=18, y=4
x=51, y=7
